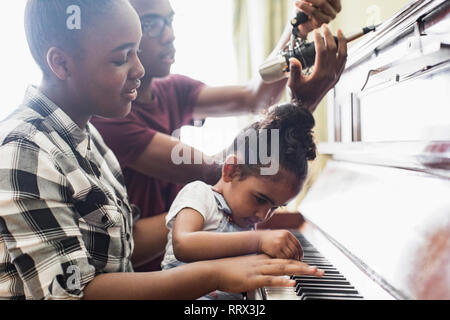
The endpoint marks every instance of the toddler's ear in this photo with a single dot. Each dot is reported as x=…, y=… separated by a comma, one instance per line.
x=59, y=63
x=230, y=168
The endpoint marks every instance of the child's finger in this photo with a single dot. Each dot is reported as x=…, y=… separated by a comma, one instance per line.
x=293, y=251
x=297, y=247
x=288, y=252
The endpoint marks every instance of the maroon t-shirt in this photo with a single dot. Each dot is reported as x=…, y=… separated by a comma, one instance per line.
x=172, y=108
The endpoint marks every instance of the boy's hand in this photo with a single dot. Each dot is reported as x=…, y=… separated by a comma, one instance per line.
x=279, y=244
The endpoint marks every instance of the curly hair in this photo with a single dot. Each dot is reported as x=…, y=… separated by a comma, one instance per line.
x=296, y=146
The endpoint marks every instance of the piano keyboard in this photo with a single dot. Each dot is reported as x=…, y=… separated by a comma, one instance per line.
x=332, y=285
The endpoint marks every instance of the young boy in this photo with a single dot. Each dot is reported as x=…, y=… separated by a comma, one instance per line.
x=67, y=229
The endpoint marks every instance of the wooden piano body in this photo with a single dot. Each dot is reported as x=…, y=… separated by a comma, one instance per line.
x=380, y=210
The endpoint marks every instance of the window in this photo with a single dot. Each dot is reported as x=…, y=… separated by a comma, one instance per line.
x=18, y=68
x=204, y=43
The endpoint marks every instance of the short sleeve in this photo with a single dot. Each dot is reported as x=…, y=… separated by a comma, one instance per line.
x=198, y=196
x=128, y=137
x=187, y=92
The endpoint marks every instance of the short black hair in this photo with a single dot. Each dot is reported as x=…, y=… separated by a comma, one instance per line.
x=46, y=25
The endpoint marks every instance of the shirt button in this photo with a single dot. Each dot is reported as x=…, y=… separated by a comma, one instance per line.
x=119, y=202
x=104, y=219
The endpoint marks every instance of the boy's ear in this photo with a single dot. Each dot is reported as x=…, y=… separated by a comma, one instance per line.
x=230, y=168
x=59, y=63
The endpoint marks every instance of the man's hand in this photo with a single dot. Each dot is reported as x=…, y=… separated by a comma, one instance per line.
x=328, y=67
x=319, y=12
x=279, y=244
x=248, y=273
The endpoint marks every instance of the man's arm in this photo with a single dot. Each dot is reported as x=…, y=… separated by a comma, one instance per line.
x=242, y=99
x=150, y=238
x=161, y=159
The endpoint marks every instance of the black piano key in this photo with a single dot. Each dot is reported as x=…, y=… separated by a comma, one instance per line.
x=329, y=272
x=332, y=297
x=312, y=255
x=310, y=250
x=332, y=285
x=300, y=286
x=325, y=277
x=320, y=281
x=318, y=263
x=323, y=290
x=314, y=259
x=322, y=267
x=329, y=295
x=322, y=261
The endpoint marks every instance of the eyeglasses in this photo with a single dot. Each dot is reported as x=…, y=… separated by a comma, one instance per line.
x=153, y=25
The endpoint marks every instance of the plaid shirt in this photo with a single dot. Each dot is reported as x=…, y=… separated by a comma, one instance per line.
x=64, y=212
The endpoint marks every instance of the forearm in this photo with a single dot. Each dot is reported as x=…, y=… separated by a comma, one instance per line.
x=150, y=238
x=169, y=159
x=250, y=97
x=205, y=245
x=184, y=282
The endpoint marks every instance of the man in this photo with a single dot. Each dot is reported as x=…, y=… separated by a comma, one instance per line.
x=142, y=141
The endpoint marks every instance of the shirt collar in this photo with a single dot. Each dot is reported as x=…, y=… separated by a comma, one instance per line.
x=221, y=203
x=78, y=138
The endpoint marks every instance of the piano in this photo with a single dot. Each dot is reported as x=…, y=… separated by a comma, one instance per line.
x=377, y=219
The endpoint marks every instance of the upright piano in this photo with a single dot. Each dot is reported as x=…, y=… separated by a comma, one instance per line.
x=378, y=216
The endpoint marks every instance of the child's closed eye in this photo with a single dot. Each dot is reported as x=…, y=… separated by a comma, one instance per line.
x=260, y=200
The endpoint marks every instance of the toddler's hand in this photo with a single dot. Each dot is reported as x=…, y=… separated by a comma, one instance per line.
x=279, y=244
